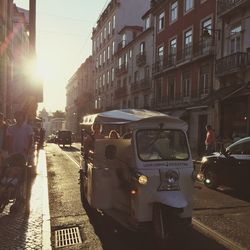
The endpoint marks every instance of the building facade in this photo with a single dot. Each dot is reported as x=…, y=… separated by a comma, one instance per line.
x=233, y=68
x=79, y=95
x=105, y=42
x=183, y=70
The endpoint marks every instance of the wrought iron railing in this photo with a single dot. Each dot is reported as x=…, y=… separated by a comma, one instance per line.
x=226, y=5
x=233, y=62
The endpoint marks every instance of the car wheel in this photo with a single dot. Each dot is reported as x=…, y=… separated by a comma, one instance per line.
x=211, y=179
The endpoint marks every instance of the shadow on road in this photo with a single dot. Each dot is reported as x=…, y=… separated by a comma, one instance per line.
x=113, y=236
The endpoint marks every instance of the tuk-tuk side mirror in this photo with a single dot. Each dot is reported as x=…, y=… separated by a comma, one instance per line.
x=224, y=151
x=110, y=152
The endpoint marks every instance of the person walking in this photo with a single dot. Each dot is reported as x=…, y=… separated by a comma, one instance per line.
x=210, y=140
x=20, y=136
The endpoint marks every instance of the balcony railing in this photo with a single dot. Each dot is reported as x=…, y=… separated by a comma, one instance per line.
x=203, y=48
x=141, y=59
x=225, y=6
x=122, y=69
x=121, y=92
x=232, y=63
x=141, y=85
x=135, y=87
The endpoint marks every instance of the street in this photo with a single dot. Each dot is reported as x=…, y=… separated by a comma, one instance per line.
x=220, y=218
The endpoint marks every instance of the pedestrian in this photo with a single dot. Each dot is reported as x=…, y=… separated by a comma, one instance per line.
x=20, y=136
x=113, y=134
x=210, y=140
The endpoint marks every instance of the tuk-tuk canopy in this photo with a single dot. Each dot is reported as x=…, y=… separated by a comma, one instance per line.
x=134, y=117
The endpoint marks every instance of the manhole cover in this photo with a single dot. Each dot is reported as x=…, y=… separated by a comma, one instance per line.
x=67, y=237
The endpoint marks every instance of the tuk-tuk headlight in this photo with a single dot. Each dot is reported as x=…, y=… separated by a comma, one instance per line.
x=143, y=179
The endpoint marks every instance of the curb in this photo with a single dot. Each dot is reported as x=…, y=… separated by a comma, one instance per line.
x=46, y=229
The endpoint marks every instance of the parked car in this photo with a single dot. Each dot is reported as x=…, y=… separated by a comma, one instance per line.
x=231, y=167
x=64, y=137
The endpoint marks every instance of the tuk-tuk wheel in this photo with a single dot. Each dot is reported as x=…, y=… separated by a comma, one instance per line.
x=162, y=225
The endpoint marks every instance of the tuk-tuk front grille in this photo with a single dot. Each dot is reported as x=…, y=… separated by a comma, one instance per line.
x=67, y=237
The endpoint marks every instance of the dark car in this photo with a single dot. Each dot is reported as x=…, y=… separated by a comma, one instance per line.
x=64, y=137
x=229, y=168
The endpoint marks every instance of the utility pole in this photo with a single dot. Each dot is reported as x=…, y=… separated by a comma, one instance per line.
x=32, y=28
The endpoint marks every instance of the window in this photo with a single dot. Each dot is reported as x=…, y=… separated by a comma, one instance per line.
x=105, y=33
x=161, y=21
x=206, y=27
x=174, y=11
x=136, y=102
x=171, y=89
x=108, y=53
x=147, y=23
x=104, y=56
x=124, y=40
x=112, y=75
x=235, y=39
x=97, y=62
x=186, y=85
x=204, y=80
x=136, y=76
x=113, y=25
x=101, y=38
x=146, y=100
x=100, y=59
x=113, y=47
x=120, y=63
x=189, y=4
x=188, y=43
x=142, y=48
x=130, y=53
x=109, y=27
x=103, y=79
x=160, y=55
x=108, y=77
x=126, y=60
x=172, y=51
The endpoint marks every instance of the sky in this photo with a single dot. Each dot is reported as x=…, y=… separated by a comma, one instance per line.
x=63, y=42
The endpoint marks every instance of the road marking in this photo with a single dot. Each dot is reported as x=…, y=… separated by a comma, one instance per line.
x=219, y=238
x=74, y=161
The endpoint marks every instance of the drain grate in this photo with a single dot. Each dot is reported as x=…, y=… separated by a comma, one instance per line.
x=67, y=237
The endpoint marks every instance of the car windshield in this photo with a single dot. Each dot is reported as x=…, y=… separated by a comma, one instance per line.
x=157, y=145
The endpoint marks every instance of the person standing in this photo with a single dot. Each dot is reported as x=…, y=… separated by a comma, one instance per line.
x=20, y=136
x=210, y=140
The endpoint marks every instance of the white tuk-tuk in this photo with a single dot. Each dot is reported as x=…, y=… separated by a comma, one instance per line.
x=144, y=179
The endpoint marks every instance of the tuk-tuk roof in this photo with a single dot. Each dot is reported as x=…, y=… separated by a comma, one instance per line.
x=135, y=117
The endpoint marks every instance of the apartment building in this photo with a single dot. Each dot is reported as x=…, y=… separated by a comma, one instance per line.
x=183, y=70
x=105, y=40
x=233, y=67
x=79, y=95
x=133, y=71
x=5, y=53
x=18, y=85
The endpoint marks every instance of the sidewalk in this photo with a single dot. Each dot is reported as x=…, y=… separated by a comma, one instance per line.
x=21, y=231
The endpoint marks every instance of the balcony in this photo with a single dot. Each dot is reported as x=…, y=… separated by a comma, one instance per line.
x=232, y=63
x=141, y=85
x=122, y=69
x=141, y=59
x=145, y=84
x=135, y=87
x=227, y=7
x=201, y=49
x=121, y=92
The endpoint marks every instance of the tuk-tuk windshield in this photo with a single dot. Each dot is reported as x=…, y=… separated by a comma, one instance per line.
x=161, y=144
